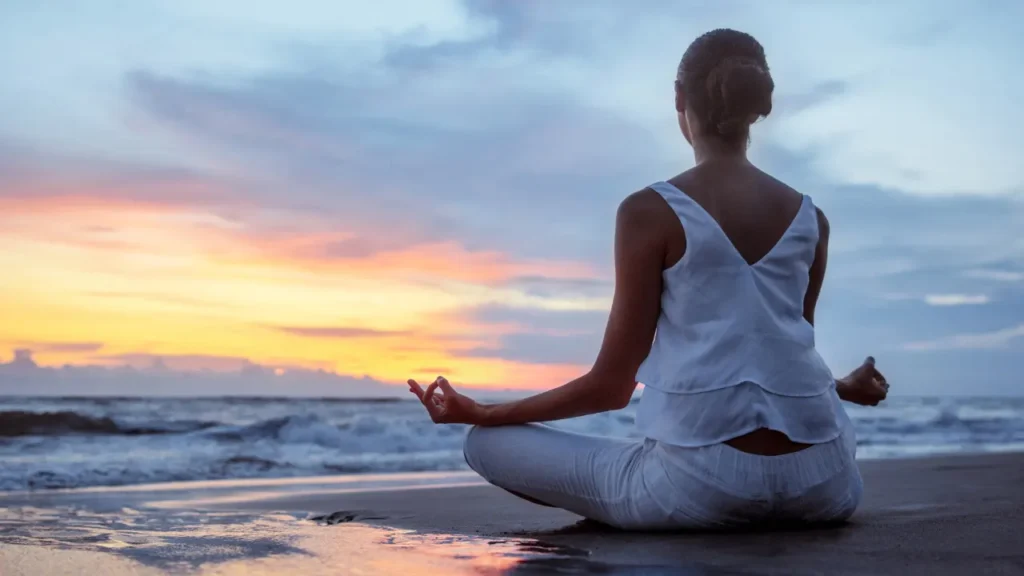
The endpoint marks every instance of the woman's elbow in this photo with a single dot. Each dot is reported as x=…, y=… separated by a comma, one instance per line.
x=618, y=394
x=611, y=384
x=621, y=402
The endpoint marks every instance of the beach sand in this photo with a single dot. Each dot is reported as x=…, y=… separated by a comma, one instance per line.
x=935, y=516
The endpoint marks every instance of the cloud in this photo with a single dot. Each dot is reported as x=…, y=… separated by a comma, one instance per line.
x=821, y=93
x=537, y=320
x=62, y=347
x=887, y=242
x=543, y=286
x=539, y=348
x=538, y=336
x=889, y=129
x=531, y=156
x=102, y=216
x=336, y=332
x=997, y=275
x=955, y=299
x=471, y=154
x=41, y=180
x=351, y=248
x=439, y=370
x=23, y=377
x=984, y=340
x=178, y=362
x=448, y=261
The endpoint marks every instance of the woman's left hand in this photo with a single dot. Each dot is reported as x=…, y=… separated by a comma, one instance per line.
x=865, y=385
x=449, y=408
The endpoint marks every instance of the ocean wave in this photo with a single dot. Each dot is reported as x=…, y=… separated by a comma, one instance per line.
x=294, y=429
x=360, y=432
x=22, y=423
x=233, y=467
x=71, y=442
x=276, y=464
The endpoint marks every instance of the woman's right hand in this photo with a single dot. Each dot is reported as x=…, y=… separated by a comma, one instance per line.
x=450, y=407
x=865, y=385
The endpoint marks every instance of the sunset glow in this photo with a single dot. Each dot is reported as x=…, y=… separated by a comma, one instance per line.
x=100, y=280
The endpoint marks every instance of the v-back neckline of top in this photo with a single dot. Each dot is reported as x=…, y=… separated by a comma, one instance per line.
x=721, y=231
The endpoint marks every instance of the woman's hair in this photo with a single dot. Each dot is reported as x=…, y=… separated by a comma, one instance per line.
x=725, y=79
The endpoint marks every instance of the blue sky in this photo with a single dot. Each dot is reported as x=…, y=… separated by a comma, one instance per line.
x=515, y=128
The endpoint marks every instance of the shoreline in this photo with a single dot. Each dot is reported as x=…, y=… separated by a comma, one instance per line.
x=370, y=481
x=938, y=515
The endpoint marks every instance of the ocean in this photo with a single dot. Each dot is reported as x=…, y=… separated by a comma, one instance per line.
x=48, y=443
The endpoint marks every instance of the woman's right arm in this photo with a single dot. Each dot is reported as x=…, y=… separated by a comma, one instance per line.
x=865, y=385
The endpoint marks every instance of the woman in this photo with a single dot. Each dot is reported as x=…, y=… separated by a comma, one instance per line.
x=718, y=272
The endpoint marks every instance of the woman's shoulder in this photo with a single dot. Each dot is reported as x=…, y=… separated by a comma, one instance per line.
x=647, y=212
x=787, y=190
x=644, y=204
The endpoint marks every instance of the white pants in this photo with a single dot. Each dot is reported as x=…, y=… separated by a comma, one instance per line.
x=647, y=485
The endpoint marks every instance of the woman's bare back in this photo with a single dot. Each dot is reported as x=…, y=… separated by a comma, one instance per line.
x=754, y=211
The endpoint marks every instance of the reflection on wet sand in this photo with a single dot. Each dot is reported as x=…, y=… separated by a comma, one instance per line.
x=229, y=543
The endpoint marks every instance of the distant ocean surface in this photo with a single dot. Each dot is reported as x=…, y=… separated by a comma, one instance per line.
x=72, y=442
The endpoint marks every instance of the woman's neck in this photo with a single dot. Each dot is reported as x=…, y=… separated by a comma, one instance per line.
x=714, y=150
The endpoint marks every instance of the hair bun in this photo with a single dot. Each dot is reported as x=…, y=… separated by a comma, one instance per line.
x=740, y=92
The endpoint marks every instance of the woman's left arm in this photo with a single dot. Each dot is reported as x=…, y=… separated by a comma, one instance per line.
x=640, y=254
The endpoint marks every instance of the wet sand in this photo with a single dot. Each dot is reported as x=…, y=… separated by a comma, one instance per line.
x=937, y=516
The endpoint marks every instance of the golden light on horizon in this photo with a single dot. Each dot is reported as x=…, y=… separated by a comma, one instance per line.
x=99, y=280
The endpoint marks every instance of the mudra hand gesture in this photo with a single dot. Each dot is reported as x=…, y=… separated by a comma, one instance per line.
x=865, y=385
x=448, y=407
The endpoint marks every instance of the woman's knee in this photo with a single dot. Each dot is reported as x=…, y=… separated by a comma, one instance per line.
x=478, y=446
x=485, y=443
x=856, y=495
x=471, y=448
x=848, y=496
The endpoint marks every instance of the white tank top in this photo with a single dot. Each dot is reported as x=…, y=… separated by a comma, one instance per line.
x=733, y=352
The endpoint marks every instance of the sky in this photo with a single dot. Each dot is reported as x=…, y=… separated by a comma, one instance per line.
x=329, y=197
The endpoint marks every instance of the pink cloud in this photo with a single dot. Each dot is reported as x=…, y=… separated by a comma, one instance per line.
x=336, y=332
x=62, y=347
x=177, y=362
